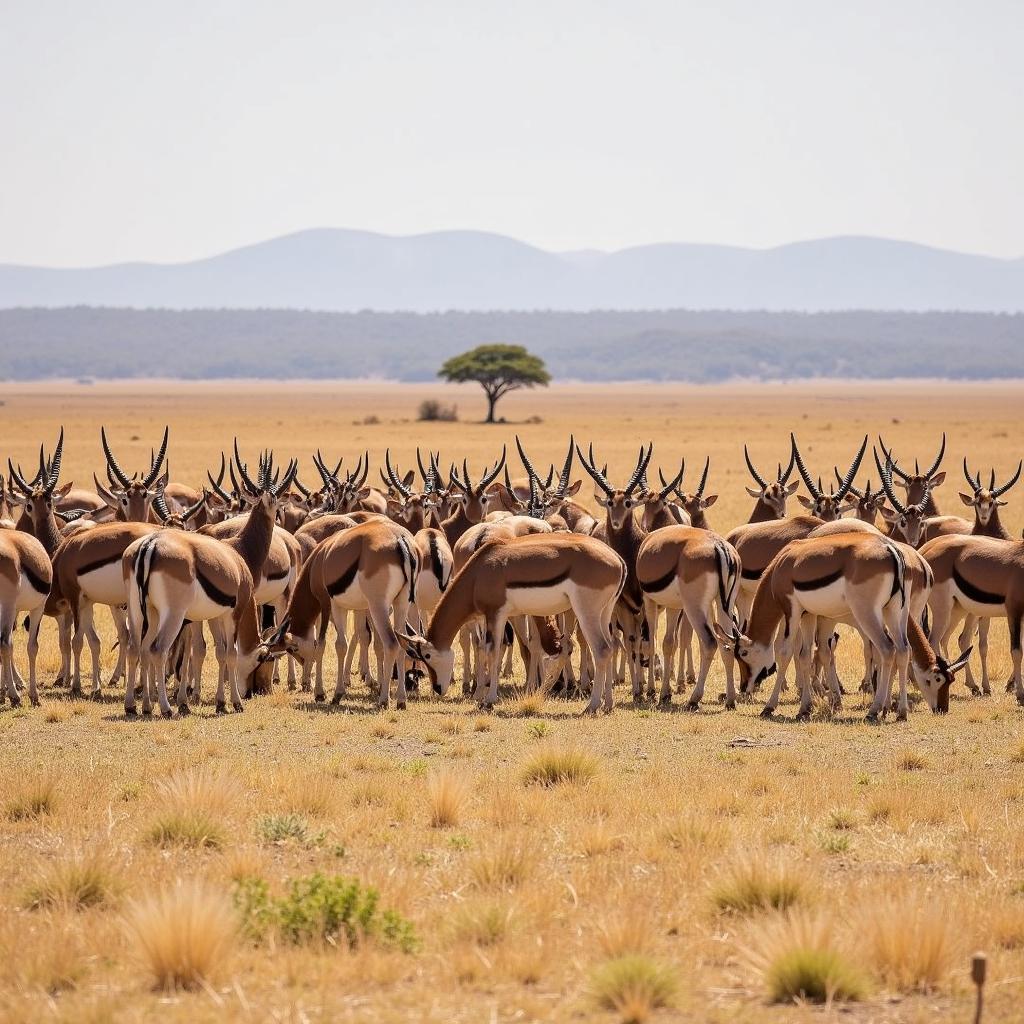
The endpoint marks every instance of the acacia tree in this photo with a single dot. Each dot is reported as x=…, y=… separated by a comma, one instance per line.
x=498, y=369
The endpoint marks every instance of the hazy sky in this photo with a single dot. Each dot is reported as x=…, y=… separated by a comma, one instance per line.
x=166, y=131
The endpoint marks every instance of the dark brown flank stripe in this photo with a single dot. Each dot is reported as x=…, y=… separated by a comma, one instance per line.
x=973, y=592
x=344, y=581
x=752, y=574
x=435, y=563
x=40, y=586
x=817, y=584
x=654, y=586
x=215, y=595
x=100, y=563
x=279, y=576
x=552, y=582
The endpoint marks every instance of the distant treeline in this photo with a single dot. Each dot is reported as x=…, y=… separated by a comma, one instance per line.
x=671, y=345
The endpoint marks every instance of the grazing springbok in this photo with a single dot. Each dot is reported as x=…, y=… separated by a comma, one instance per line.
x=131, y=498
x=369, y=568
x=770, y=497
x=539, y=575
x=860, y=577
x=688, y=569
x=826, y=507
x=173, y=576
x=25, y=577
x=981, y=577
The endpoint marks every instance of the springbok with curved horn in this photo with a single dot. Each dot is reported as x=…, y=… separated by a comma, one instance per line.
x=771, y=497
x=370, y=568
x=689, y=570
x=405, y=506
x=472, y=501
x=131, y=498
x=869, y=502
x=919, y=486
x=624, y=536
x=658, y=511
x=695, y=503
x=860, y=577
x=904, y=522
x=826, y=507
x=538, y=575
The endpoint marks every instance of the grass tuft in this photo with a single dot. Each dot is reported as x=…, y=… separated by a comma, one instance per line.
x=912, y=943
x=911, y=761
x=193, y=804
x=83, y=880
x=505, y=864
x=756, y=886
x=447, y=795
x=633, y=986
x=555, y=764
x=183, y=935
x=33, y=797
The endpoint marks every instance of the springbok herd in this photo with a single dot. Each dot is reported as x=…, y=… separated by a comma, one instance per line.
x=499, y=563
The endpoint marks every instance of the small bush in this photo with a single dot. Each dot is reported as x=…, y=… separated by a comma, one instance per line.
x=321, y=908
x=754, y=887
x=33, y=798
x=554, y=765
x=184, y=935
x=433, y=411
x=85, y=879
x=505, y=864
x=483, y=924
x=282, y=828
x=912, y=943
x=633, y=986
x=911, y=761
x=447, y=794
x=193, y=804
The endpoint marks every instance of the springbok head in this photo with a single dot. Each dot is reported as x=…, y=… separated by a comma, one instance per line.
x=985, y=500
x=439, y=662
x=182, y=519
x=405, y=505
x=826, y=507
x=475, y=499
x=919, y=486
x=773, y=494
x=906, y=519
x=619, y=502
x=756, y=661
x=132, y=497
x=695, y=502
x=869, y=501
x=935, y=682
x=656, y=500
x=220, y=504
x=269, y=486
x=40, y=497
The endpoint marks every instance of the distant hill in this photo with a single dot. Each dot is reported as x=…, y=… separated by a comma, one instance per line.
x=669, y=345
x=348, y=271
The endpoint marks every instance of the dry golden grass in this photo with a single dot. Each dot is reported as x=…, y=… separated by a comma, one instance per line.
x=522, y=905
x=447, y=794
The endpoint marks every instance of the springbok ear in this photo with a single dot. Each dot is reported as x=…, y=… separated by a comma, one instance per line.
x=409, y=477
x=601, y=498
x=791, y=488
x=363, y=492
x=709, y=500
x=937, y=479
x=62, y=492
x=888, y=514
x=573, y=488
x=753, y=492
x=805, y=501
x=967, y=499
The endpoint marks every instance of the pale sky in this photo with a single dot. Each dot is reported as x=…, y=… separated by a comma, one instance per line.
x=132, y=129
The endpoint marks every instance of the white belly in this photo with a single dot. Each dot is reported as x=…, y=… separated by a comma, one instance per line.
x=28, y=597
x=982, y=609
x=829, y=601
x=354, y=598
x=270, y=590
x=105, y=585
x=538, y=600
x=198, y=607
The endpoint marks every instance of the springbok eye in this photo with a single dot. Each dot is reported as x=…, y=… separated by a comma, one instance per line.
x=426, y=657
x=903, y=520
x=124, y=501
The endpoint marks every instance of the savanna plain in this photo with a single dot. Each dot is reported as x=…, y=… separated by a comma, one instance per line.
x=526, y=864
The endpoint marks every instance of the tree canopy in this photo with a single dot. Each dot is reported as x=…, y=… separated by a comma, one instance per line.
x=498, y=369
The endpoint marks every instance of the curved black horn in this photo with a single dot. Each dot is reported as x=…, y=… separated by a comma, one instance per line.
x=847, y=482
x=802, y=469
x=885, y=472
x=938, y=459
x=675, y=483
x=703, y=477
x=758, y=479
x=278, y=488
x=1009, y=483
x=892, y=461
x=191, y=511
x=641, y=468
x=58, y=452
x=154, y=469
x=119, y=473
x=249, y=485
x=423, y=472
x=220, y=479
x=489, y=478
x=850, y=488
x=784, y=477
x=18, y=480
x=160, y=504
x=598, y=477
x=404, y=491
x=530, y=471
x=563, y=478
x=975, y=482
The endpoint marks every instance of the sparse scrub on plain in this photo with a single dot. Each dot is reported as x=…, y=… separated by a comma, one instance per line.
x=633, y=986
x=32, y=797
x=447, y=795
x=79, y=880
x=757, y=885
x=433, y=411
x=556, y=764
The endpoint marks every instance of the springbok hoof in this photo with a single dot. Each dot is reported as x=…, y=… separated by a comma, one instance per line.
x=335, y=700
x=15, y=702
x=802, y=716
x=871, y=718
x=589, y=712
x=183, y=710
x=767, y=712
x=130, y=713
x=147, y=712
x=96, y=695
x=168, y=713
x=692, y=705
x=400, y=705
x=222, y=708
x=730, y=705
x=901, y=716
x=665, y=700
x=238, y=707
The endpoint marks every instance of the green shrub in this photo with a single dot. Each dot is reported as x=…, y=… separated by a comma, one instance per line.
x=321, y=908
x=282, y=828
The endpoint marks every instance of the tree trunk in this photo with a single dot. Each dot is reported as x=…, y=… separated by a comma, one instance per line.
x=492, y=401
